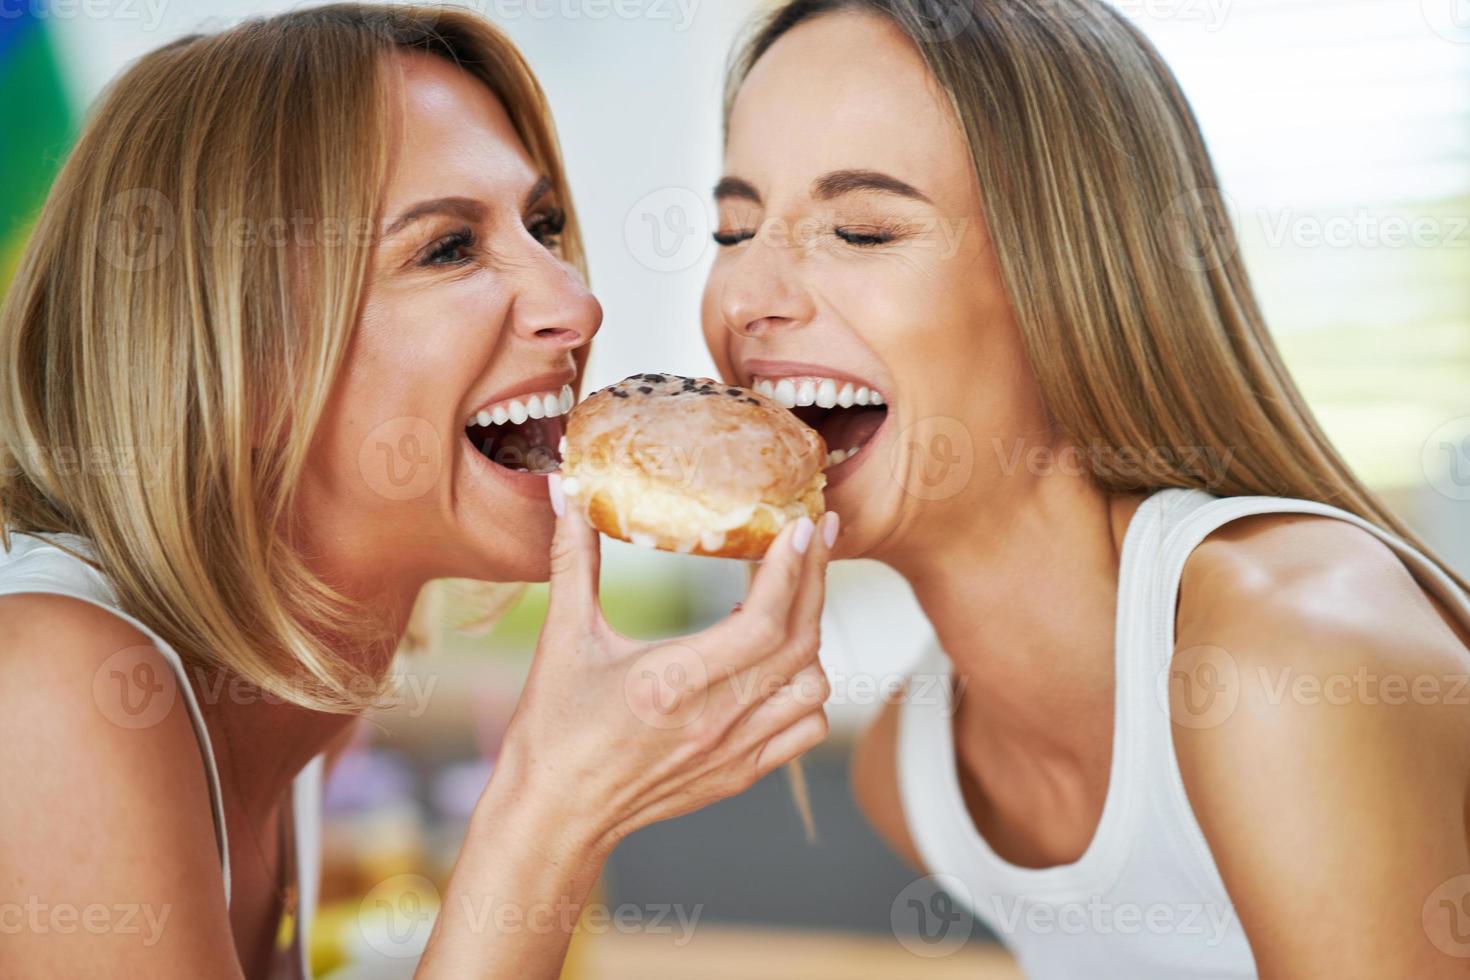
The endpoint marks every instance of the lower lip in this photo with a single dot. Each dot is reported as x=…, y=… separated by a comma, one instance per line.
x=845, y=469
x=532, y=485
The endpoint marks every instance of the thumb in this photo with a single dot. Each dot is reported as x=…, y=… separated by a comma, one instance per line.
x=575, y=558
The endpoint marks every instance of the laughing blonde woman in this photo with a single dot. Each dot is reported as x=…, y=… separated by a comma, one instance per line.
x=287, y=283
x=977, y=243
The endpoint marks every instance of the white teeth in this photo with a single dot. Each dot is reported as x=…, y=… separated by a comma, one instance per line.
x=533, y=407
x=837, y=456
x=823, y=393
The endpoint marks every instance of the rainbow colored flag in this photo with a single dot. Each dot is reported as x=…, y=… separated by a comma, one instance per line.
x=36, y=125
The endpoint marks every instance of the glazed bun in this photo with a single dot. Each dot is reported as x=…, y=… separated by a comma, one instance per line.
x=691, y=465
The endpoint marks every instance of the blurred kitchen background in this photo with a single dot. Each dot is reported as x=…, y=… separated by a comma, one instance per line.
x=1342, y=130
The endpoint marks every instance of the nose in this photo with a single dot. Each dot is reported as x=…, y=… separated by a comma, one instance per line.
x=761, y=291
x=555, y=311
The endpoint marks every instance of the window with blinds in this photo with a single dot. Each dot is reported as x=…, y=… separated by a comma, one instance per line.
x=1341, y=130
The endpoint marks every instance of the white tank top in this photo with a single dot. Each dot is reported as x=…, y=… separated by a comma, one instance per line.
x=1145, y=900
x=38, y=563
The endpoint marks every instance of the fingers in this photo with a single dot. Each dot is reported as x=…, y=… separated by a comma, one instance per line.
x=806, y=611
x=803, y=736
x=797, y=558
x=575, y=560
x=806, y=692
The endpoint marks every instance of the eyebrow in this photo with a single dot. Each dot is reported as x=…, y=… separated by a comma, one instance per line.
x=828, y=186
x=841, y=182
x=735, y=189
x=460, y=207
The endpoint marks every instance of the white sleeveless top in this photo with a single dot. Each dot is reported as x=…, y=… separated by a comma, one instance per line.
x=1145, y=900
x=35, y=564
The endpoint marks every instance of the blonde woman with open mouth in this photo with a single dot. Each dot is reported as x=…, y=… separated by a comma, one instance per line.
x=240, y=436
x=972, y=243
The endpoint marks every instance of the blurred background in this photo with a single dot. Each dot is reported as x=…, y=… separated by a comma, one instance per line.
x=1342, y=132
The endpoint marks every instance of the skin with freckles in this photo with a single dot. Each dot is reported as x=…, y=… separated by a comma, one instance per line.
x=827, y=267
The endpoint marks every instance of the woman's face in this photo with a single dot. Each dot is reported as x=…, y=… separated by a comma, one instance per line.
x=854, y=252
x=470, y=314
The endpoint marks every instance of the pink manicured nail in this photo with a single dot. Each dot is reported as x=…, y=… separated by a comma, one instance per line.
x=830, y=522
x=553, y=490
x=801, y=538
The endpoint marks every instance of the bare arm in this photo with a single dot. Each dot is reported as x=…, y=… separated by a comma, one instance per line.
x=612, y=735
x=1331, y=794
x=108, y=860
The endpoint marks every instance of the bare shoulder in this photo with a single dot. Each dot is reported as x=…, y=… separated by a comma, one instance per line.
x=1321, y=707
x=1304, y=611
x=106, y=811
x=1313, y=588
x=874, y=777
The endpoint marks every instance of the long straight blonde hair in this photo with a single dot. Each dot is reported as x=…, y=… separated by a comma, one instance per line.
x=183, y=308
x=1115, y=248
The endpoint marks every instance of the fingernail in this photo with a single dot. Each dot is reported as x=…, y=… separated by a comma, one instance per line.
x=801, y=538
x=830, y=521
x=553, y=490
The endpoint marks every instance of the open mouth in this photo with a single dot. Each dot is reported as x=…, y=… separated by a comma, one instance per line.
x=523, y=434
x=846, y=414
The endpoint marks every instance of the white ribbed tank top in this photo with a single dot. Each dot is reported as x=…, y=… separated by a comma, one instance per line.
x=39, y=563
x=1145, y=901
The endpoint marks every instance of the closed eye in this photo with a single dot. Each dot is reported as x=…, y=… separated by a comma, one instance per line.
x=726, y=239
x=864, y=237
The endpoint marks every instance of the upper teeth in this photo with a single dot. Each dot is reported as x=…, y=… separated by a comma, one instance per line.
x=546, y=405
x=822, y=392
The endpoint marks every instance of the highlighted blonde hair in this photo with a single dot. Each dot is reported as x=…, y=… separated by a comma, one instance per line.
x=1115, y=247
x=183, y=308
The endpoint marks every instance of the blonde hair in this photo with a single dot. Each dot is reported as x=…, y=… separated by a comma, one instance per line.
x=183, y=308
x=1115, y=248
